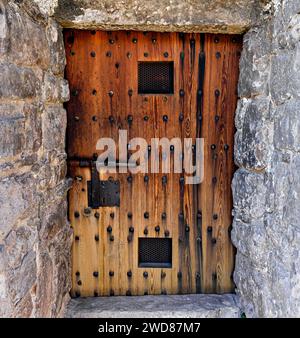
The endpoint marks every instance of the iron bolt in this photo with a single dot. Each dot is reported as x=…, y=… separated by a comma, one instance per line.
x=218, y=55
x=154, y=40
x=97, y=215
x=187, y=228
x=214, y=179
x=217, y=93
x=129, y=118
x=96, y=238
x=112, y=293
x=76, y=214
x=111, y=41
x=226, y=147
x=93, y=54
x=77, y=273
x=164, y=215
x=111, y=273
x=109, y=229
x=75, y=92
x=112, y=215
x=165, y=118
x=146, y=55
x=146, y=231
x=181, y=180
x=181, y=216
x=128, y=293
x=166, y=54
x=130, y=92
x=163, y=292
x=167, y=233
x=131, y=229
x=214, y=241
x=134, y=40
x=157, y=228
x=146, y=215
x=215, y=216
x=213, y=146
x=179, y=275
x=76, y=118
x=96, y=294
x=111, y=119
x=129, y=238
x=129, y=273
x=146, y=293
x=163, y=274
x=95, y=274
x=146, y=179
x=77, y=294
x=164, y=179
x=145, y=274
x=216, y=40
x=181, y=117
x=129, y=215
x=79, y=282
x=181, y=93
x=217, y=118
x=199, y=214
x=129, y=179
x=209, y=229
x=111, y=93
x=108, y=54
x=111, y=238
x=76, y=238
x=146, y=118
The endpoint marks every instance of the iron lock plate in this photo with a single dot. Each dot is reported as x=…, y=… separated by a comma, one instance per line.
x=105, y=194
x=102, y=193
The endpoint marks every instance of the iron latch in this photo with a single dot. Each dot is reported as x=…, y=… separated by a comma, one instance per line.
x=102, y=193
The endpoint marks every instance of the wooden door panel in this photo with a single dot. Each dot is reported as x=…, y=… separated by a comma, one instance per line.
x=102, y=69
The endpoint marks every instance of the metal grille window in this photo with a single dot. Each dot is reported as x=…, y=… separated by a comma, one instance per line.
x=155, y=252
x=156, y=77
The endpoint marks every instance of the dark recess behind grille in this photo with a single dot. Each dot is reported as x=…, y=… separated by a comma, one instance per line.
x=155, y=252
x=156, y=77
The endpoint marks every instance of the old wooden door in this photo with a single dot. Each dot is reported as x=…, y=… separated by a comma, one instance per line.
x=161, y=236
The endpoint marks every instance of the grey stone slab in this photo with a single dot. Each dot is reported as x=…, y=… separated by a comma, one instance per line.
x=173, y=306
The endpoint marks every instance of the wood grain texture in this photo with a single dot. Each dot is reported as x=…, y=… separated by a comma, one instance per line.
x=102, y=69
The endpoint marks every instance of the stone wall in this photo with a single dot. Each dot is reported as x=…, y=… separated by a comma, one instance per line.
x=266, y=187
x=34, y=235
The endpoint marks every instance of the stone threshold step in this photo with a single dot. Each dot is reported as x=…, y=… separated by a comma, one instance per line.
x=163, y=306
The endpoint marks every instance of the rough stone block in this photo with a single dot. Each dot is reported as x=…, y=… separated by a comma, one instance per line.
x=20, y=129
x=57, y=49
x=18, y=83
x=17, y=197
x=285, y=77
x=54, y=124
x=249, y=195
x=254, y=133
x=27, y=40
x=287, y=126
x=55, y=89
x=21, y=280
